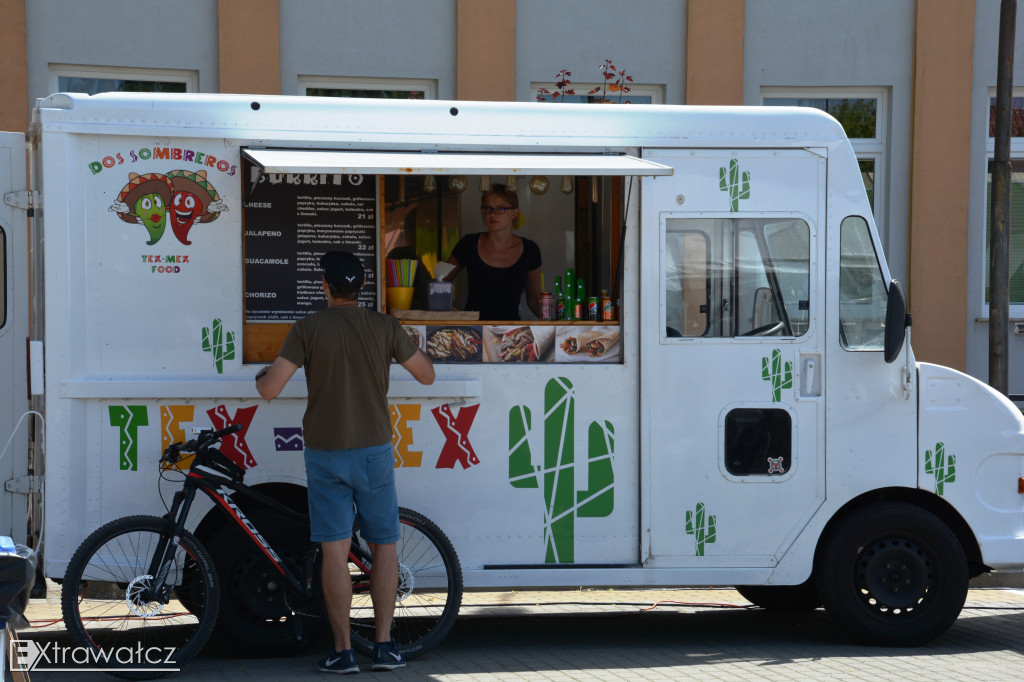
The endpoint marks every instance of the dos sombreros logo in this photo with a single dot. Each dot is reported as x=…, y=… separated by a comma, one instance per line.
x=179, y=198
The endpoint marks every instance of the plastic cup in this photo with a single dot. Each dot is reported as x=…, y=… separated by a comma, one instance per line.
x=400, y=298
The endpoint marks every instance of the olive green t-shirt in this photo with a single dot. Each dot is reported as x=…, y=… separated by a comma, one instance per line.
x=346, y=352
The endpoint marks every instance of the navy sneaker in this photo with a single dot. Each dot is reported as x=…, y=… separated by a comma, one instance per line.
x=341, y=662
x=387, y=657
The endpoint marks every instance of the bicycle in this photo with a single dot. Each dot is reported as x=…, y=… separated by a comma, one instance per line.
x=145, y=584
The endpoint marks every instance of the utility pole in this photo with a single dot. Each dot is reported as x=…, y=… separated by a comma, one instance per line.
x=999, y=257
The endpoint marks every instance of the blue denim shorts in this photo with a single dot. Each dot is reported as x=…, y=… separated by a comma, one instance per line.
x=344, y=484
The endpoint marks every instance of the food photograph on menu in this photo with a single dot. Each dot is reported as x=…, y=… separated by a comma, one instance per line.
x=454, y=344
x=587, y=344
x=519, y=343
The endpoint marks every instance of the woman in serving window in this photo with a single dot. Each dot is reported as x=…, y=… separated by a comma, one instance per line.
x=500, y=264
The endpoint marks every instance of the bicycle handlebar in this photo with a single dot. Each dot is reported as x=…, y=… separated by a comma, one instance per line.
x=172, y=454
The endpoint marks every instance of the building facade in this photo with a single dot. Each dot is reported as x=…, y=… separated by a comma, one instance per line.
x=917, y=76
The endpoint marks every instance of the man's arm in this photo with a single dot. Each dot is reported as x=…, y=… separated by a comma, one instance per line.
x=270, y=380
x=420, y=367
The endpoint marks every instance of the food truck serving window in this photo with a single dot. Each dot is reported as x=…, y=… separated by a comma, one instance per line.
x=404, y=215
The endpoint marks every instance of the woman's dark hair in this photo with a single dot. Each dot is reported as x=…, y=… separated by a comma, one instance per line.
x=503, y=192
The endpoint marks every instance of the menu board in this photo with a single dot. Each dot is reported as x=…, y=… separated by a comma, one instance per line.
x=290, y=221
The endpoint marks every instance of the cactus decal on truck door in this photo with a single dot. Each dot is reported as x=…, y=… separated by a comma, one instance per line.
x=779, y=374
x=735, y=183
x=941, y=466
x=701, y=526
x=220, y=344
x=563, y=504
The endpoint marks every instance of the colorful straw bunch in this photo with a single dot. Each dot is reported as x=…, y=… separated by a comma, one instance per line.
x=401, y=273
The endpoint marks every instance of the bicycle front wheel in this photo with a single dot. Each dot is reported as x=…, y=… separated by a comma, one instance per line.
x=429, y=589
x=114, y=608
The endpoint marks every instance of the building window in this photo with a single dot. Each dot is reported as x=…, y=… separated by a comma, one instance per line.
x=378, y=88
x=94, y=80
x=862, y=113
x=1016, y=117
x=639, y=93
x=1016, y=217
x=1016, y=229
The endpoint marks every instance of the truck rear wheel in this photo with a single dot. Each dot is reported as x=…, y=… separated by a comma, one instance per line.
x=893, y=575
x=255, y=619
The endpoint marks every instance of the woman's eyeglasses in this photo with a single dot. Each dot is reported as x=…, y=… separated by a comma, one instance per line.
x=500, y=210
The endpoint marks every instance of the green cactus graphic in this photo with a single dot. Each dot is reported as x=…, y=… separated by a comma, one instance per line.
x=737, y=185
x=941, y=466
x=701, y=526
x=221, y=345
x=562, y=503
x=780, y=375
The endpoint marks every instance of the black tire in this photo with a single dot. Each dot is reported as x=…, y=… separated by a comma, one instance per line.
x=106, y=606
x=783, y=598
x=893, y=575
x=429, y=590
x=256, y=619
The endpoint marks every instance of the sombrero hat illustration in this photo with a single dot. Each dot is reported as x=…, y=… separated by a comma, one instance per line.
x=140, y=186
x=197, y=184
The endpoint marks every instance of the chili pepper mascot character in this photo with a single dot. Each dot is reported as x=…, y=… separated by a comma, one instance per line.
x=144, y=200
x=193, y=200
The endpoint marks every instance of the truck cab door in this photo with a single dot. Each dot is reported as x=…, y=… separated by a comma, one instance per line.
x=732, y=378
x=13, y=334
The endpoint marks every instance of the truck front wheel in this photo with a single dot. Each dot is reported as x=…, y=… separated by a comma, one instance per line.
x=893, y=574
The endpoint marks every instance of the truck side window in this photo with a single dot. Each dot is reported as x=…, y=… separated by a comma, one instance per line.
x=729, y=277
x=3, y=278
x=758, y=442
x=862, y=291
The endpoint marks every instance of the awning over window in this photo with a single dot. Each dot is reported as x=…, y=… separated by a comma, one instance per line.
x=412, y=163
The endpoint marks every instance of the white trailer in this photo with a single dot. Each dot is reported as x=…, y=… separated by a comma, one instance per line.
x=750, y=417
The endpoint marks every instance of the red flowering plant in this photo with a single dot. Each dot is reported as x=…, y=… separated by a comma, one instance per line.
x=614, y=81
x=562, y=88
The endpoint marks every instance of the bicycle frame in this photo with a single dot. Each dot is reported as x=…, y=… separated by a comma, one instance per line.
x=219, y=488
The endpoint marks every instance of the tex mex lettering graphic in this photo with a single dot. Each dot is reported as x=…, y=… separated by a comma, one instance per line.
x=127, y=419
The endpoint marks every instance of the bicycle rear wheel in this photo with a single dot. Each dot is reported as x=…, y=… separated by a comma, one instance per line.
x=111, y=609
x=429, y=589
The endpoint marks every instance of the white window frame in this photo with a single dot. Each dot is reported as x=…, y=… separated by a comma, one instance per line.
x=427, y=86
x=1016, y=152
x=189, y=78
x=655, y=92
x=864, y=148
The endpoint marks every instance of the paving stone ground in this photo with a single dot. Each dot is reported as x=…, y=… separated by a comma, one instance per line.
x=711, y=634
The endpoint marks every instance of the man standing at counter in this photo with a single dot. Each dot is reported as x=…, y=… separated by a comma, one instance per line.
x=347, y=351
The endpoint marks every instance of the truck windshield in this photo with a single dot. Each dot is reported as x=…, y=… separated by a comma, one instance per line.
x=727, y=277
x=862, y=291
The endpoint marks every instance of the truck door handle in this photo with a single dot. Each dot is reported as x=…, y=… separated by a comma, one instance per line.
x=810, y=375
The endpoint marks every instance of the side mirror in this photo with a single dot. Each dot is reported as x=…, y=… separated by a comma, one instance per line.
x=896, y=321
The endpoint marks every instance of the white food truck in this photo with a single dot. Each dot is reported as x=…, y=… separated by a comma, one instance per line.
x=745, y=403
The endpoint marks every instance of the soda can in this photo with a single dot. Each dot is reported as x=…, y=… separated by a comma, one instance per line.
x=593, y=309
x=560, y=308
x=607, y=308
x=547, y=306
x=578, y=315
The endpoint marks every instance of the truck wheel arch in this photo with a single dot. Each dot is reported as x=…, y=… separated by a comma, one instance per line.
x=920, y=498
